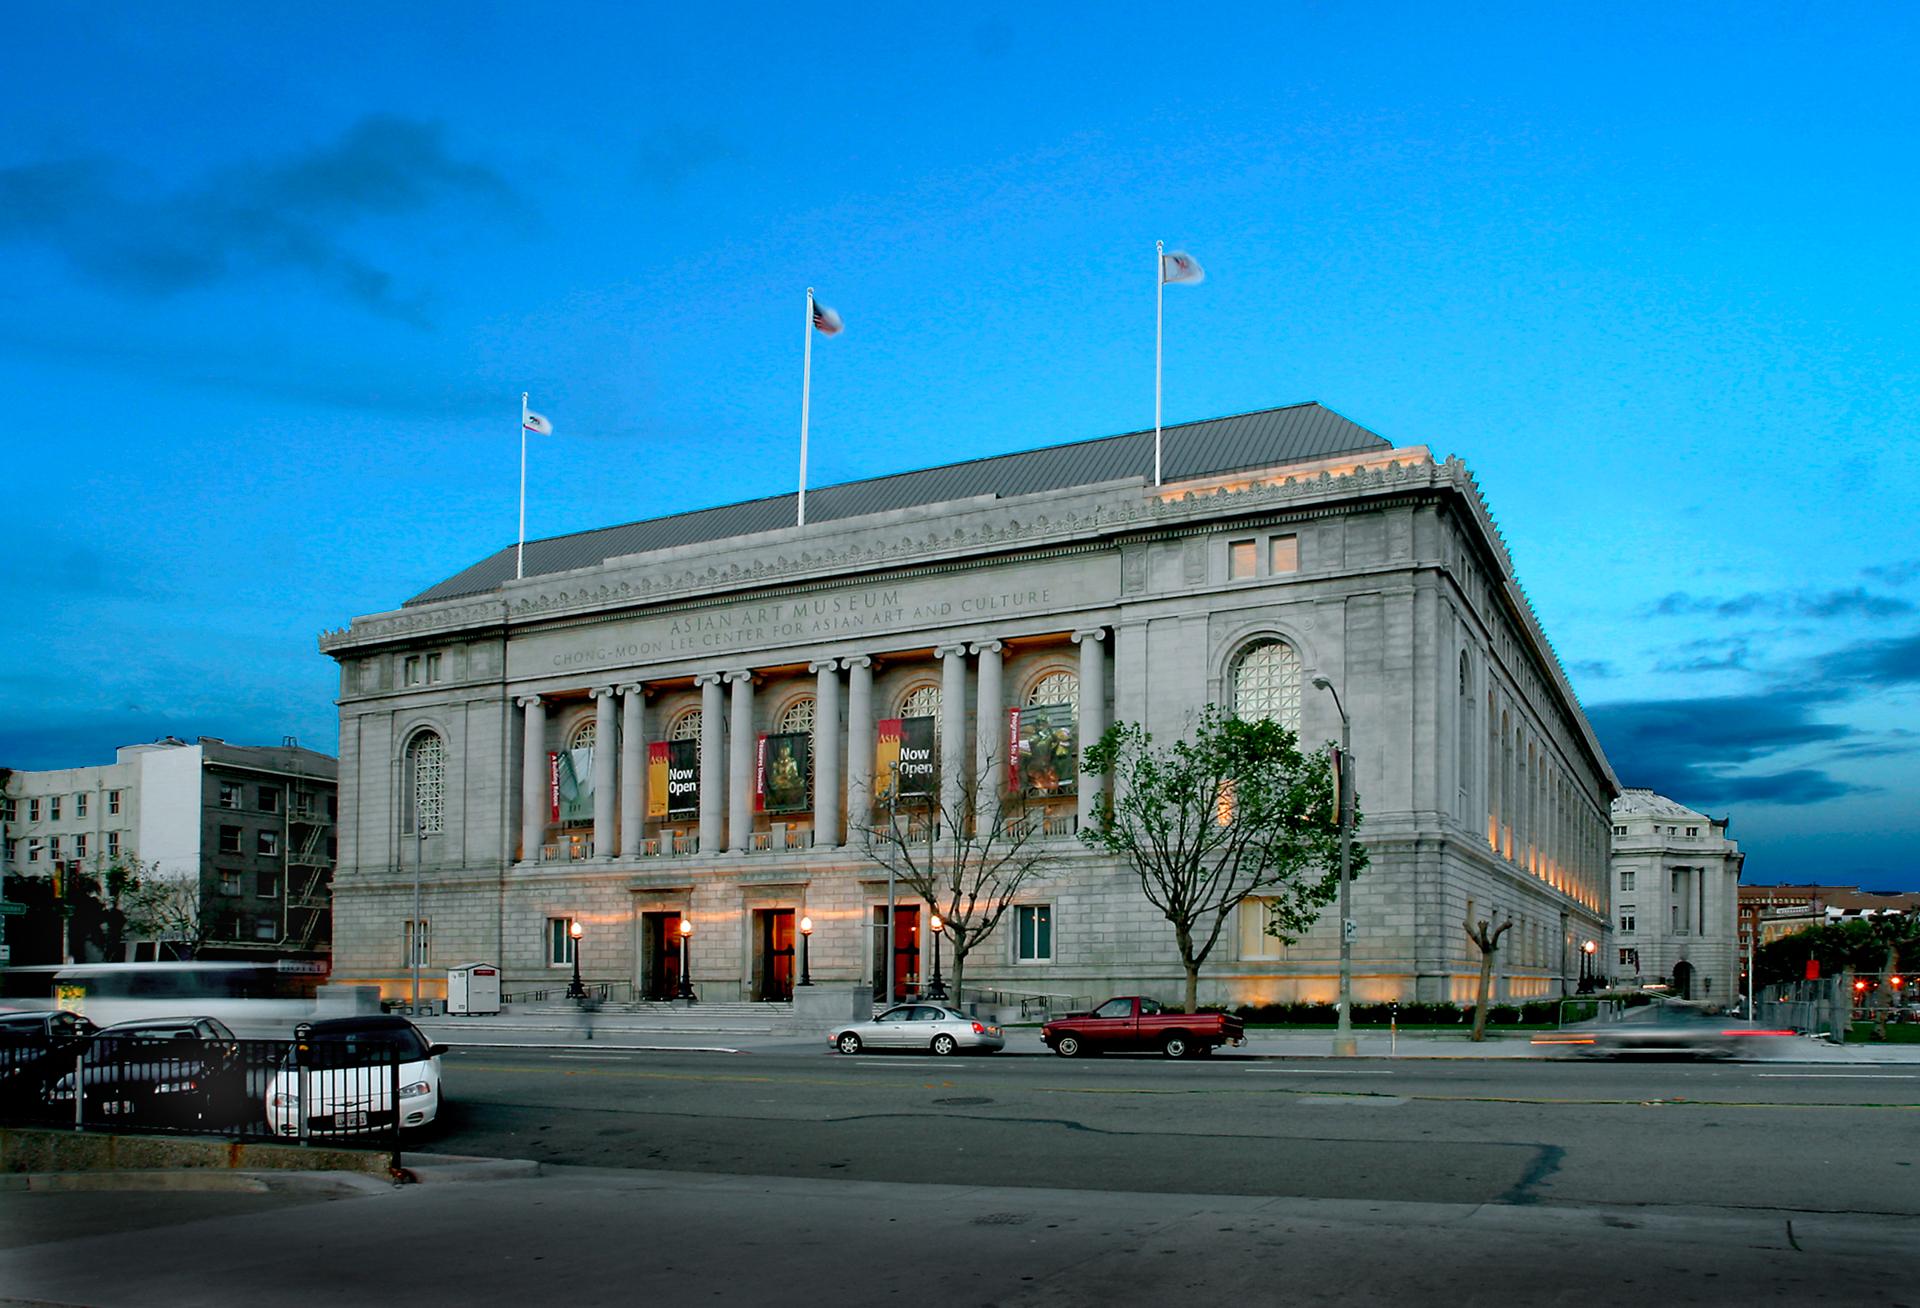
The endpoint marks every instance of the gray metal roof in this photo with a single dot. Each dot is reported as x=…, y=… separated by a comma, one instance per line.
x=1263, y=439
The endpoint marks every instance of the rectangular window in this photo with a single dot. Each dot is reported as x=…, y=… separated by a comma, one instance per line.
x=412, y=670
x=333, y=806
x=9, y=810
x=333, y=848
x=229, y=840
x=1619, y=831
x=433, y=667
x=266, y=885
x=1254, y=940
x=560, y=942
x=267, y=843
x=1283, y=554
x=1626, y=919
x=80, y=808
x=33, y=851
x=264, y=928
x=12, y=849
x=1626, y=881
x=80, y=845
x=53, y=848
x=1242, y=562
x=229, y=794
x=1035, y=923
x=53, y=808
x=33, y=810
x=269, y=799
x=1693, y=831
x=229, y=883
x=407, y=941
x=113, y=844
x=303, y=803
x=113, y=801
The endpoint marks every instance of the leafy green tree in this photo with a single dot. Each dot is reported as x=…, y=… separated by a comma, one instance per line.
x=1233, y=810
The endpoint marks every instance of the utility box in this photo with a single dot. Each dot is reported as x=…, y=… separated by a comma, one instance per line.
x=473, y=988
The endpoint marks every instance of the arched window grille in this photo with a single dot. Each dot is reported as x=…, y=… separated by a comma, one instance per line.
x=1055, y=688
x=923, y=702
x=798, y=716
x=585, y=735
x=1266, y=684
x=426, y=776
x=685, y=727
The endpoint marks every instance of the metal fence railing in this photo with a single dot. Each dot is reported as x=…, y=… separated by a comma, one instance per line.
x=188, y=1085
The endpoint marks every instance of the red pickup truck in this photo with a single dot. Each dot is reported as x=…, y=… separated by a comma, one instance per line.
x=1136, y=1022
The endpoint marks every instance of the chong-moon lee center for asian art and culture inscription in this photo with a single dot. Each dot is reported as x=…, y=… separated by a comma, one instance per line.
x=696, y=720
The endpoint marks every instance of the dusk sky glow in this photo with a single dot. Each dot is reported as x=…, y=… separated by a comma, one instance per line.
x=274, y=281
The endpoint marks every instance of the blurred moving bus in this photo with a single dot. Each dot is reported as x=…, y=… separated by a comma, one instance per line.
x=240, y=994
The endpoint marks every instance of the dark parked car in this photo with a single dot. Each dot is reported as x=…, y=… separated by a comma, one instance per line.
x=183, y=1073
x=36, y=1048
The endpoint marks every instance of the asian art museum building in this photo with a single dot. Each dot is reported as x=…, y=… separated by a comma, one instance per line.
x=680, y=720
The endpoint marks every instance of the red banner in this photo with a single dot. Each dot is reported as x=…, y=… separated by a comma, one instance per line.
x=553, y=786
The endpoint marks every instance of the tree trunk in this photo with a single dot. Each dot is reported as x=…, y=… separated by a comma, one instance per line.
x=1193, y=986
x=1480, y=1007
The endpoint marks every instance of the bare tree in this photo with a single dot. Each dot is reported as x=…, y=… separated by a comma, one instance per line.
x=166, y=907
x=1488, y=943
x=1235, y=810
x=968, y=862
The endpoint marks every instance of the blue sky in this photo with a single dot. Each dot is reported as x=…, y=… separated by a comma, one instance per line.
x=274, y=281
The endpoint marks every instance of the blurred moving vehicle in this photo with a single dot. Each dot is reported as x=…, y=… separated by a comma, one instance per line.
x=178, y=1073
x=1672, y=1030
x=1131, y=1022
x=352, y=1066
x=263, y=995
x=932, y=1027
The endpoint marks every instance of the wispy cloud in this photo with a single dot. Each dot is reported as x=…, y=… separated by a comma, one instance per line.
x=291, y=214
x=1821, y=605
x=1716, y=654
x=1887, y=661
x=1594, y=669
x=1697, y=750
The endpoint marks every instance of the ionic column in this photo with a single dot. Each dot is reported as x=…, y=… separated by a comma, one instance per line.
x=990, y=728
x=953, y=730
x=826, y=752
x=533, y=781
x=859, y=748
x=633, y=770
x=740, y=743
x=1093, y=716
x=713, y=770
x=606, y=728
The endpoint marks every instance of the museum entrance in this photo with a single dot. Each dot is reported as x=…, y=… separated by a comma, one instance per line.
x=773, y=954
x=660, y=955
x=1683, y=979
x=906, y=950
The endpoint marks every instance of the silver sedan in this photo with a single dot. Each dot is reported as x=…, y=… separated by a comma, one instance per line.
x=933, y=1027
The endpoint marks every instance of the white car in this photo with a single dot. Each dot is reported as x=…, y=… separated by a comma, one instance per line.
x=350, y=1067
x=932, y=1027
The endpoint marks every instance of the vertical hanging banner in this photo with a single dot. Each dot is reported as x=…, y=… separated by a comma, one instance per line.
x=907, y=743
x=1044, y=756
x=553, y=786
x=886, y=758
x=575, y=778
x=656, y=780
x=683, y=778
x=782, y=773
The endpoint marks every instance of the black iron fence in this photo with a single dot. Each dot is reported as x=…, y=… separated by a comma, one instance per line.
x=231, y=1088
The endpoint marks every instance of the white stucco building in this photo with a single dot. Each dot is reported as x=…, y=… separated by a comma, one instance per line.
x=684, y=719
x=1676, y=898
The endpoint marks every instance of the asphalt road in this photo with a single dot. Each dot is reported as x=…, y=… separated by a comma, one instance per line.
x=1672, y=1135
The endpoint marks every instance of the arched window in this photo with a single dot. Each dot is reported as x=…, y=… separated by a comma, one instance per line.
x=797, y=717
x=922, y=702
x=585, y=735
x=685, y=727
x=426, y=783
x=1266, y=684
x=1464, y=730
x=1055, y=688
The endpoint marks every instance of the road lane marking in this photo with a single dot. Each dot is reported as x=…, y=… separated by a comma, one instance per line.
x=583, y=1058
x=1836, y=1076
x=1319, y=1071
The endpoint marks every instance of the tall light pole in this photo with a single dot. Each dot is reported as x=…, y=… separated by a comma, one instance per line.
x=806, y=936
x=893, y=830
x=575, y=931
x=686, y=983
x=1343, y=1041
x=938, y=990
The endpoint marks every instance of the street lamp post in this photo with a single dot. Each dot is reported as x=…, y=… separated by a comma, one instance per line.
x=893, y=831
x=575, y=990
x=806, y=935
x=938, y=990
x=1343, y=1041
x=686, y=983
x=1588, y=981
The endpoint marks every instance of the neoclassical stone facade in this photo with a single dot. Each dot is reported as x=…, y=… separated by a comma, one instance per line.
x=598, y=741
x=1676, y=898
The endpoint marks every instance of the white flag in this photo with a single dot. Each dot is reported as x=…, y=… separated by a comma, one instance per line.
x=1178, y=266
x=537, y=424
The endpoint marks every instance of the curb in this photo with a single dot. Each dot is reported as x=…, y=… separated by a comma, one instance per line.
x=192, y=1180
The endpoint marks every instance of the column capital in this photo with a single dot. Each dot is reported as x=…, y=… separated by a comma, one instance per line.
x=629, y=688
x=1095, y=633
x=824, y=665
x=602, y=692
x=986, y=647
x=704, y=679
x=734, y=678
x=950, y=651
x=527, y=701
x=853, y=661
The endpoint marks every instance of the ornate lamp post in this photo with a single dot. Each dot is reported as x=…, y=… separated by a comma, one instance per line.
x=938, y=990
x=1343, y=1041
x=806, y=935
x=1588, y=981
x=575, y=990
x=686, y=982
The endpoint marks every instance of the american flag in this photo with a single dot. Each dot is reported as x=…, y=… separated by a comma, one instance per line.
x=826, y=321
x=1179, y=266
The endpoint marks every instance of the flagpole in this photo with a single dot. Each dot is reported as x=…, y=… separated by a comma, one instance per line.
x=806, y=395
x=520, y=550
x=1159, y=325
